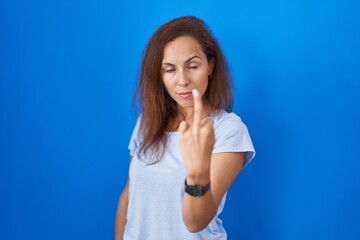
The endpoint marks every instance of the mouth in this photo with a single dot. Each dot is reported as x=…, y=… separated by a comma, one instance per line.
x=185, y=95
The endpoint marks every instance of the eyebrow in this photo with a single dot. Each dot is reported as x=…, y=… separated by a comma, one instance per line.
x=170, y=64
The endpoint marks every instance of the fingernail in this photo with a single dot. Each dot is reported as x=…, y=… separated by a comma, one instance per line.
x=195, y=91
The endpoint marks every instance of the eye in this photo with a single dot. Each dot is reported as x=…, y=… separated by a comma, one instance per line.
x=193, y=67
x=169, y=70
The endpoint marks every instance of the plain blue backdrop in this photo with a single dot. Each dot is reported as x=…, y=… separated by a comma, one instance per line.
x=68, y=71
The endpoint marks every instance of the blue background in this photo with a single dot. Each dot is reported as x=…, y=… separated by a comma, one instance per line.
x=68, y=70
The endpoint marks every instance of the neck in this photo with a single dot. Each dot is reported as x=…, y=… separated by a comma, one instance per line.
x=186, y=115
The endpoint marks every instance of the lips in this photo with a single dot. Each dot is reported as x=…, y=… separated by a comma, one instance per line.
x=185, y=94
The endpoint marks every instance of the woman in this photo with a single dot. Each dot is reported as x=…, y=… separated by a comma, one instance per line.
x=187, y=147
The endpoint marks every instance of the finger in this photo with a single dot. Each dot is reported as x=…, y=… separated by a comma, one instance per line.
x=208, y=129
x=183, y=127
x=198, y=108
x=207, y=122
x=207, y=125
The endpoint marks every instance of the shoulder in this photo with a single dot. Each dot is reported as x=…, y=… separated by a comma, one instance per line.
x=232, y=135
x=137, y=123
x=227, y=119
x=135, y=136
x=229, y=128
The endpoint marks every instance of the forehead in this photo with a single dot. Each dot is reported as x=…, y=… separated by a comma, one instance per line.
x=181, y=49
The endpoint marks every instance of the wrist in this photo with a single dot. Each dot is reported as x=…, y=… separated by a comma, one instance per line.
x=196, y=190
x=198, y=179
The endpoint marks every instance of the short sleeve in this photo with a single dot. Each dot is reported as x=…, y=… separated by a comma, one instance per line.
x=134, y=140
x=232, y=135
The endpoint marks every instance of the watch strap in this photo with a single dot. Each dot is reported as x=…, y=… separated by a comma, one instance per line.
x=196, y=190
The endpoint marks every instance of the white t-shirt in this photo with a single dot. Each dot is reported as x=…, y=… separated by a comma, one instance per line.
x=156, y=190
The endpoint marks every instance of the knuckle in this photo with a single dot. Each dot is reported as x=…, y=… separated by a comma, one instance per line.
x=209, y=131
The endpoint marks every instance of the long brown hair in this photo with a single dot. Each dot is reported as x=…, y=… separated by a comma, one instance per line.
x=158, y=108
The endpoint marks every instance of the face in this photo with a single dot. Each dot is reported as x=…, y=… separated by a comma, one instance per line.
x=185, y=67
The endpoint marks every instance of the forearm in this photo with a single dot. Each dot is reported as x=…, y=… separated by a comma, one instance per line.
x=198, y=211
x=121, y=212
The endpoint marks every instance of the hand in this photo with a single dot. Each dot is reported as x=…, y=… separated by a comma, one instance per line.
x=196, y=142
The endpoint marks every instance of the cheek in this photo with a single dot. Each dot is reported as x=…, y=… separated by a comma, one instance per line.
x=168, y=84
x=202, y=82
x=168, y=79
x=204, y=87
x=202, y=76
x=165, y=80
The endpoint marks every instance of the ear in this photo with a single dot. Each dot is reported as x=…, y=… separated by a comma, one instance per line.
x=211, y=66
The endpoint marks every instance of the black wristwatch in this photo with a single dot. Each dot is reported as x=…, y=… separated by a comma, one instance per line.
x=195, y=190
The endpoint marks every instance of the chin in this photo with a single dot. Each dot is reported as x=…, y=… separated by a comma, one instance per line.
x=186, y=104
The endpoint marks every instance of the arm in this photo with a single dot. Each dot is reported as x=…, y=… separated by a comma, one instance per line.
x=121, y=212
x=196, y=141
x=199, y=211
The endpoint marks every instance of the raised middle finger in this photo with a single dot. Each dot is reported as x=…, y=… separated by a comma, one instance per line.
x=198, y=109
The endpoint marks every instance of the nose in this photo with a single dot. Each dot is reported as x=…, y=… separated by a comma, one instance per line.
x=183, y=80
